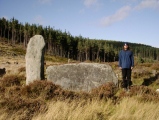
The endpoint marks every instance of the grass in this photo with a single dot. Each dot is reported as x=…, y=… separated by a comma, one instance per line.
x=55, y=59
x=127, y=109
x=132, y=109
x=18, y=50
x=77, y=110
x=11, y=50
x=44, y=100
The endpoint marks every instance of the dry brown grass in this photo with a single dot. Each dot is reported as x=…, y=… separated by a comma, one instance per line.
x=21, y=69
x=23, y=102
x=77, y=110
x=126, y=109
x=144, y=93
x=20, y=108
x=132, y=109
x=145, y=64
x=11, y=80
x=104, y=91
x=155, y=66
x=44, y=100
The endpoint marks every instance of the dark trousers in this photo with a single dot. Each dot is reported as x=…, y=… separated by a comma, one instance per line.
x=126, y=75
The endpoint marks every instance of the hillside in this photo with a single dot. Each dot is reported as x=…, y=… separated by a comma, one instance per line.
x=63, y=44
x=44, y=100
x=13, y=57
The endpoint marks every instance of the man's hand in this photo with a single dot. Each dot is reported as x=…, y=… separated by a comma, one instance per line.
x=120, y=68
x=132, y=67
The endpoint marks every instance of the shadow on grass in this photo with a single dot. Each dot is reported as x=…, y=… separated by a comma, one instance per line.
x=149, y=81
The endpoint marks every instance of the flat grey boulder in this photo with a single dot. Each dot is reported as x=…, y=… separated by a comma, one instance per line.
x=82, y=76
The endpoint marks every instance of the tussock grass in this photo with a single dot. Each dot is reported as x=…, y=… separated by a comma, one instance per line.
x=104, y=91
x=20, y=108
x=144, y=93
x=41, y=89
x=12, y=80
x=127, y=109
x=77, y=110
x=21, y=69
x=44, y=100
x=23, y=102
x=132, y=109
x=155, y=66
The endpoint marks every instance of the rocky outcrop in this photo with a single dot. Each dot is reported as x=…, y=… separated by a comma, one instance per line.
x=82, y=76
x=35, y=59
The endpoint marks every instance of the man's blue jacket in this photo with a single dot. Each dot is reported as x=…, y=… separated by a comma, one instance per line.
x=126, y=59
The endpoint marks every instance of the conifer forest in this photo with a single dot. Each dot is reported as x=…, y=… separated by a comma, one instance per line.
x=63, y=44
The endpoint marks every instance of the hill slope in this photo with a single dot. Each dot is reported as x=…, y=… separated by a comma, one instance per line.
x=44, y=100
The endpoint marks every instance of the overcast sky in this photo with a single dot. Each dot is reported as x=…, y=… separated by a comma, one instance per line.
x=135, y=21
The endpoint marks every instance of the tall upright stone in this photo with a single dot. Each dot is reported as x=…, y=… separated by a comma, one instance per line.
x=35, y=59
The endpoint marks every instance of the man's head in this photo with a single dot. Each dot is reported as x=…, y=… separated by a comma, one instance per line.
x=126, y=46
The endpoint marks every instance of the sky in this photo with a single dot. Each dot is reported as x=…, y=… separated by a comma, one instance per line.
x=135, y=21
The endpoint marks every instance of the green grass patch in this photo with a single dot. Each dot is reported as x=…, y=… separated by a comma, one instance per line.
x=55, y=58
x=18, y=51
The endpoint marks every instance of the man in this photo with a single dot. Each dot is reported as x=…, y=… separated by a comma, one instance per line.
x=126, y=64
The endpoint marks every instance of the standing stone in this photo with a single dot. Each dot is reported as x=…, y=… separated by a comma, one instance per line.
x=35, y=59
x=82, y=76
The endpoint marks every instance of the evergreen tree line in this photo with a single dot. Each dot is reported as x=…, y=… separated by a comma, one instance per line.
x=63, y=44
